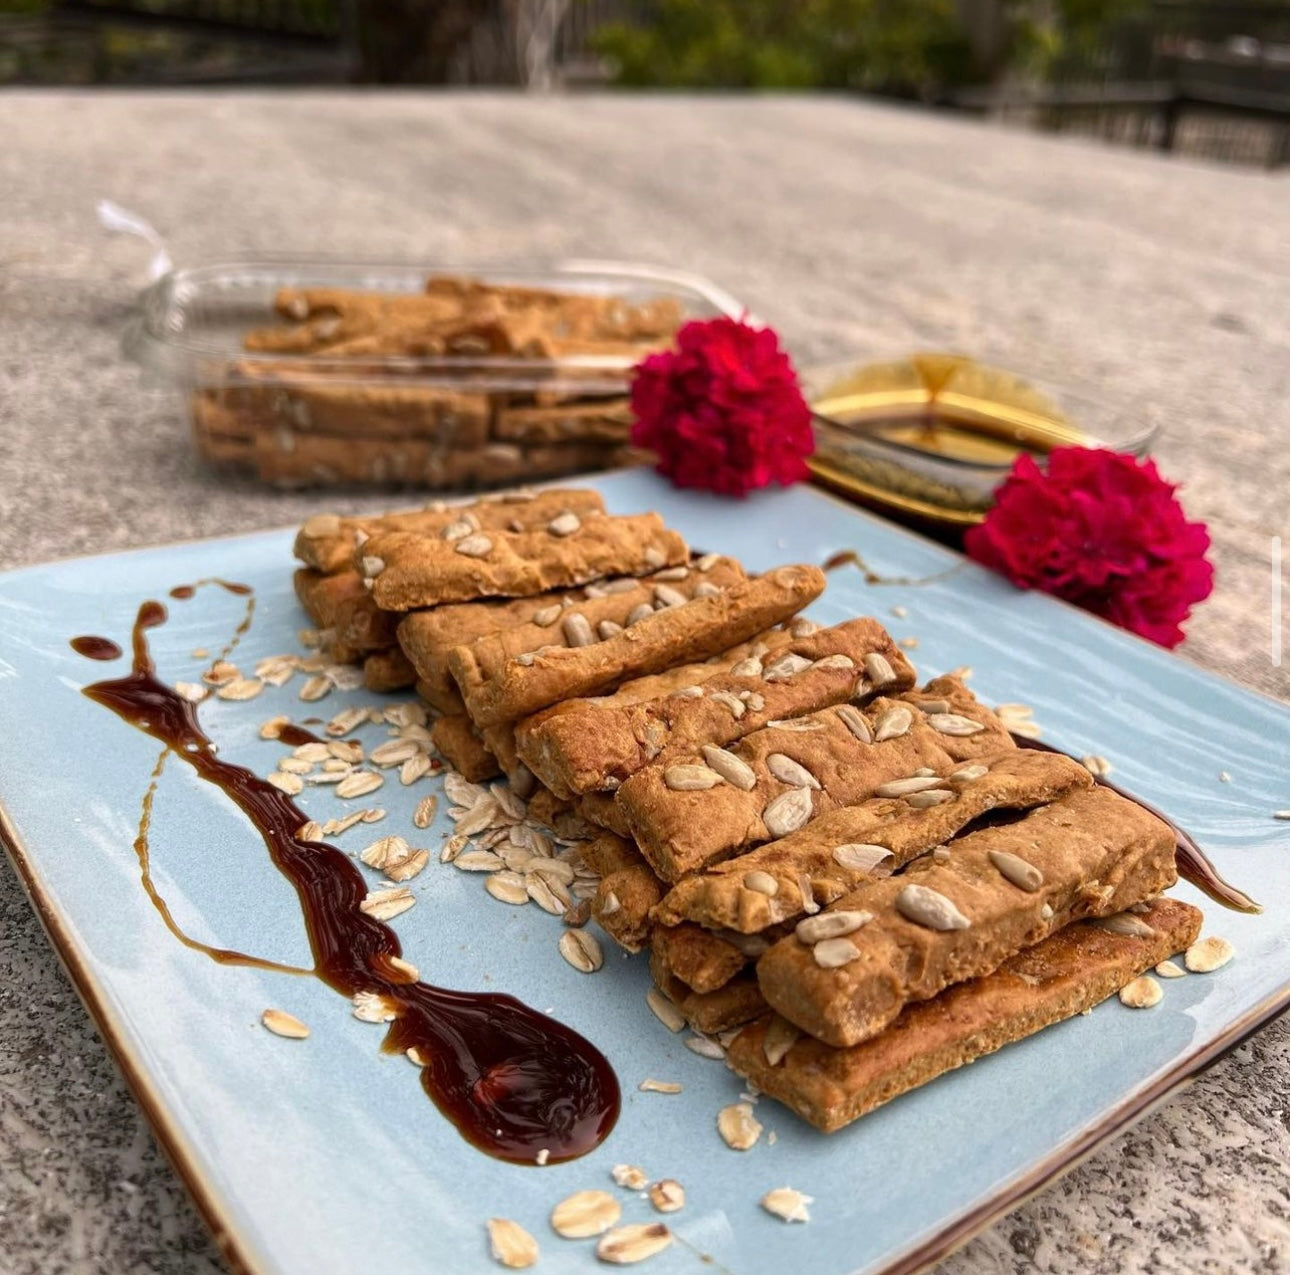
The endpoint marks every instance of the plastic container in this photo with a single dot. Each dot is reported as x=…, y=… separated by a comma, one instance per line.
x=330, y=402
x=930, y=437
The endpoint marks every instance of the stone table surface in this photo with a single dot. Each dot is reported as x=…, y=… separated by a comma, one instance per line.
x=858, y=229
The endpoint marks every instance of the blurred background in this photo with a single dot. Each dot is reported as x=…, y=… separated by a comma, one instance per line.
x=1206, y=79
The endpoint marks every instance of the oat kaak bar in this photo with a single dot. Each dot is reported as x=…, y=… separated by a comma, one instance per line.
x=843, y=849
x=584, y=745
x=569, y=617
x=386, y=671
x=628, y=890
x=1064, y=975
x=847, y=972
x=737, y=1002
x=687, y=813
x=329, y=543
x=408, y=570
x=498, y=687
x=342, y=608
x=703, y=961
x=460, y=746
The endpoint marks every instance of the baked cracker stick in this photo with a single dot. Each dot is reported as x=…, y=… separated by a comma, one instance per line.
x=446, y=704
x=1064, y=975
x=703, y=961
x=500, y=688
x=328, y=542
x=526, y=624
x=410, y=570
x=628, y=890
x=342, y=604
x=601, y=810
x=1091, y=853
x=738, y=1002
x=832, y=854
x=462, y=749
x=802, y=769
x=588, y=744
x=385, y=671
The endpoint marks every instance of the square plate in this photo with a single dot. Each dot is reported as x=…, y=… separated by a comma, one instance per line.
x=325, y=1156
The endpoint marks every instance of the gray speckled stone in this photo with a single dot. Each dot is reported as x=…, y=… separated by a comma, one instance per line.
x=858, y=230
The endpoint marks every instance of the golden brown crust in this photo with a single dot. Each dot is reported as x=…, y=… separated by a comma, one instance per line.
x=584, y=745
x=681, y=831
x=601, y=810
x=447, y=704
x=1065, y=975
x=1095, y=854
x=719, y=899
x=408, y=570
x=385, y=671
x=703, y=961
x=623, y=901
x=738, y=1002
x=455, y=739
x=498, y=687
x=600, y=420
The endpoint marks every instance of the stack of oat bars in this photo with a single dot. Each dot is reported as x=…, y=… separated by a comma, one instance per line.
x=852, y=882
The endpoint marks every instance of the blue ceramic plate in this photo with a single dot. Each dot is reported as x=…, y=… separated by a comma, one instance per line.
x=324, y=1155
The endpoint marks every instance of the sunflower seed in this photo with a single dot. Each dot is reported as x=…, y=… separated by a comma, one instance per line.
x=663, y=1009
x=706, y=589
x=564, y=524
x=707, y=562
x=831, y=925
x=832, y=954
x=667, y=1195
x=750, y=667
x=638, y=613
x=1170, y=969
x=738, y=1127
x=1208, y=955
x=581, y=950
x=932, y=797
x=280, y=1023
x=878, y=669
x=736, y=706
x=904, y=787
x=585, y=1213
x=1125, y=924
x=321, y=524
x=607, y=629
x=893, y=723
x=506, y=887
x=788, y=1204
x=859, y=856
x=761, y=883
x=802, y=627
x=954, y=724
x=283, y=781
x=969, y=773
x=930, y=706
x=705, y=1048
x=788, y=812
x=478, y=861
x=788, y=771
x=630, y=1176
x=626, y=1245
x=666, y=596
x=359, y=784
x=577, y=631
x=423, y=815
x=1142, y=993
x=1097, y=765
x=385, y=905
x=856, y=722
x=930, y=908
x=510, y=1244
x=1046, y=912
x=780, y=1037
x=1025, y=876
x=753, y=700
x=734, y=770
x=474, y=546
x=547, y=615
x=690, y=778
x=785, y=667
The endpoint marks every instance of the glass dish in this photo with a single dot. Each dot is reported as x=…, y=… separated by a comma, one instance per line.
x=931, y=436
x=458, y=418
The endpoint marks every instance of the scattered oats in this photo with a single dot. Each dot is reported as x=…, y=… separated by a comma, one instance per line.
x=334, y=827
x=474, y=546
x=385, y=905
x=480, y=816
x=359, y=784
x=372, y=1007
x=930, y=908
x=1141, y=993
x=220, y=673
x=408, y=713
x=510, y=1244
x=893, y=723
x=659, y=1086
x=788, y=1204
x=295, y=765
x=1013, y=868
x=564, y=524
x=705, y=1047
x=584, y=1214
x=900, y=612
x=550, y=896
x=790, y=772
x=1224, y=777
x=414, y=768
x=506, y=887
x=453, y=847
x=310, y=639
x=272, y=729
x=1281, y=814
x=347, y=677
x=738, y=1127
x=788, y=812
x=336, y=766
x=663, y=1009
x=1170, y=969
x=831, y=925
x=761, y=883
x=560, y=870
x=292, y=785
x=315, y=688
x=393, y=753
x=859, y=856
x=193, y=692
x=346, y=750
x=908, y=643
x=690, y=778
x=630, y=1176
x=423, y=815
x=667, y=1195
x=406, y=968
x=542, y=1157
x=1096, y=765
x=277, y=670
x=461, y=792
x=832, y=954
x=311, y=830
x=346, y=720
x=313, y=752
x=280, y=1023
x=1207, y=955
x=406, y=868
x=628, y=1244
x=781, y=1036
x=240, y=688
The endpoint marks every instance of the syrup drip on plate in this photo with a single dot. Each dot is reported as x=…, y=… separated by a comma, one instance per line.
x=514, y=1082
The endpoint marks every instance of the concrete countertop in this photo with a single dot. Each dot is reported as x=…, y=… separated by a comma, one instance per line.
x=857, y=230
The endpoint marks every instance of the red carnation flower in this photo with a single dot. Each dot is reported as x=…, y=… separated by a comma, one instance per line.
x=723, y=410
x=1102, y=530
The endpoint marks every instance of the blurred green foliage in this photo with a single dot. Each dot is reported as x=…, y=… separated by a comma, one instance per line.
x=907, y=47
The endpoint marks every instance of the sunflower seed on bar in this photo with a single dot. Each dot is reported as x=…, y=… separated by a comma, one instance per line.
x=860, y=856
x=1125, y=924
x=690, y=778
x=475, y=546
x=791, y=772
x=831, y=925
x=953, y=724
x=892, y=724
x=785, y=667
x=734, y=770
x=878, y=669
x=904, y=787
x=929, y=908
x=856, y=722
x=761, y=883
x=788, y=812
x=832, y=954
x=564, y=524
x=932, y=797
x=1012, y=867
x=577, y=629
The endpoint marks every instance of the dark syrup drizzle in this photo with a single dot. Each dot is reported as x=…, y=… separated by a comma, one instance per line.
x=514, y=1082
x=1193, y=862
x=95, y=648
